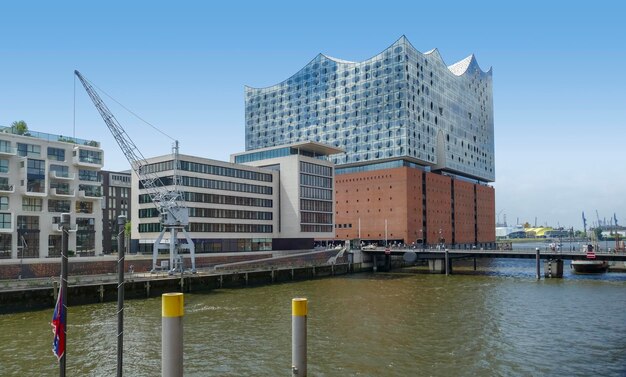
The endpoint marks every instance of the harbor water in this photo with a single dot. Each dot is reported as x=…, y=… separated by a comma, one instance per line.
x=500, y=321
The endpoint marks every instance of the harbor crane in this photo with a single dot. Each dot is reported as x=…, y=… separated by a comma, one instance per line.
x=170, y=202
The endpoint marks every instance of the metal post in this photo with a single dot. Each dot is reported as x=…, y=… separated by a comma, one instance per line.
x=65, y=227
x=172, y=335
x=299, y=312
x=537, y=262
x=121, y=223
x=447, y=260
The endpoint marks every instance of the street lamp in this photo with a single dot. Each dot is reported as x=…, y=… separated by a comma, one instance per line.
x=440, y=239
x=422, y=239
x=21, y=232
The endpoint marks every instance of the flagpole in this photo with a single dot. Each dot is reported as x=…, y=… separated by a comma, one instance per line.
x=65, y=224
x=121, y=223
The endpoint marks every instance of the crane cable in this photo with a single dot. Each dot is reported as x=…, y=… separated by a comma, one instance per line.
x=116, y=101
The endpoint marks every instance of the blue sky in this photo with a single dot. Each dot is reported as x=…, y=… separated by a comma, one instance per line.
x=558, y=71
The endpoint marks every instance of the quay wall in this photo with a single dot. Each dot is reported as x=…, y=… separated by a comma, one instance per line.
x=90, y=292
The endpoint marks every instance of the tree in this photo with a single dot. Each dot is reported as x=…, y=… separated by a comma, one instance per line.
x=19, y=127
x=598, y=233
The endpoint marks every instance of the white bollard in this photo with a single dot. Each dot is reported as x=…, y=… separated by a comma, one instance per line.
x=172, y=334
x=299, y=312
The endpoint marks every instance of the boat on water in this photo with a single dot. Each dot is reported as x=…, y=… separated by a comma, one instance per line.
x=590, y=265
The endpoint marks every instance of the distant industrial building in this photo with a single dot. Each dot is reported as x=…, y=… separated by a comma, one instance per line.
x=42, y=176
x=417, y=135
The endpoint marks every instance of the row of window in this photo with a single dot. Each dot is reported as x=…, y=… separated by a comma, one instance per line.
x=213, y=213
x=198, y=197
x=315, y=228
x=315, y=193
x=225, y=185
x=317, y=181
x=307, y=167
x=217, y=245
x=316, y=218
x=213, y=228
x=316, y=205
x=197, y=167
x=36, y=205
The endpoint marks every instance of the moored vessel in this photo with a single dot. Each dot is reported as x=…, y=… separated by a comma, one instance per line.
x=590, y=265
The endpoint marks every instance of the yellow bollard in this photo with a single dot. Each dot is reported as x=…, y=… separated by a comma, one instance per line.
x=172, y=312
x=299, y=312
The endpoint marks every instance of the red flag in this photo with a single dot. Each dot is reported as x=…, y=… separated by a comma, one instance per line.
x=58, y=327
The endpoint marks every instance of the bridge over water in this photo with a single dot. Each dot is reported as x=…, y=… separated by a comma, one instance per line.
x=440, y=260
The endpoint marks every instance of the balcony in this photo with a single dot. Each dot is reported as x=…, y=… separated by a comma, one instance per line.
x=36, y=194
x=5, y=187
x=62, y=193
x=87, y=157
x=90, y=194
x=62, y=176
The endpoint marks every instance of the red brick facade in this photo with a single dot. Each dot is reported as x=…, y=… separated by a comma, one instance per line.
x=397, y=196
x=485, y=213
x=464, y=210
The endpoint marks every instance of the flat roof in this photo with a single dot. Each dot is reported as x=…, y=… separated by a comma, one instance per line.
x=310, y=146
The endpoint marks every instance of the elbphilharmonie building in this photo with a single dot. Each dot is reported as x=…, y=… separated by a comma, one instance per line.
x=402, y=112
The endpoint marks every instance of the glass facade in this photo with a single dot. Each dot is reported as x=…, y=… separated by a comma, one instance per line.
x=400, y=104
x=275, y=153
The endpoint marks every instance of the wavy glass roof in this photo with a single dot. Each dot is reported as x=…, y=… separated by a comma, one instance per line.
x=398, y=104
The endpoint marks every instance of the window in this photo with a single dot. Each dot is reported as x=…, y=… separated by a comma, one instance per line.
x=89, y=175
x=5, y=221
x=31, y=204
x=4, y=203
x=56, y=154
x=4, y=184
x=36, y=175
x=60, y=170
x=91, y=157
x=90, y=190
x=28, y=150
x=4, y=166
x=62, y=206
x=5, y=146
x=84, y=207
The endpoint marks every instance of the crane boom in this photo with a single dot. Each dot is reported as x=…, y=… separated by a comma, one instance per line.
x=173, y=211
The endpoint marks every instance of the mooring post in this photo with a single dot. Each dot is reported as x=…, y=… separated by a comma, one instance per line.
x=121, y=224
x=447, y=260
x=299, y=312
x=172, y=334
x=537, y=262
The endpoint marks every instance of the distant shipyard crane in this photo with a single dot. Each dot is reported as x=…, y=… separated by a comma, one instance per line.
x=170, y=202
